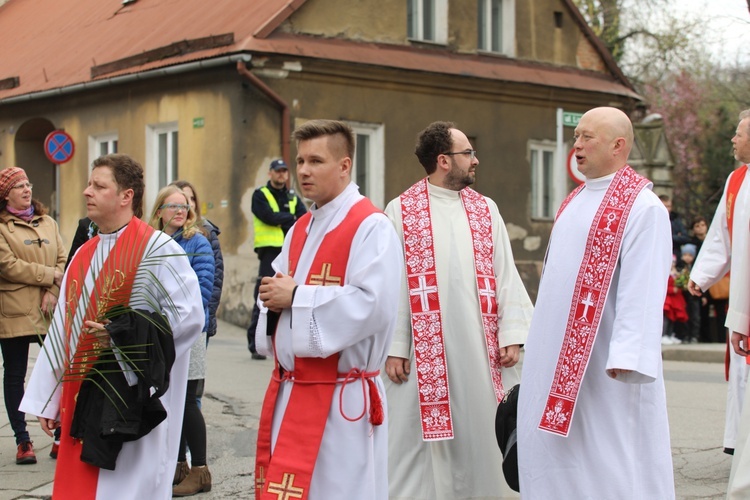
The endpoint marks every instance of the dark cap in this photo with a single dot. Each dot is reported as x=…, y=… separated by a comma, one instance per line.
x=278, y=165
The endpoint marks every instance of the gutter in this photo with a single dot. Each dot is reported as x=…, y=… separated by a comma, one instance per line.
x=132, y=77
x=286, y=133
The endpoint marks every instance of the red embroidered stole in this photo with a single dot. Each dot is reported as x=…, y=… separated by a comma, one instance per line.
x=288, y=472
x=74, y=479
x=590, y=295
x=736, y=179
x=426, y=318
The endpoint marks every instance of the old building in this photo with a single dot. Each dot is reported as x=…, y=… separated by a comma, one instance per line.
x=210, y=91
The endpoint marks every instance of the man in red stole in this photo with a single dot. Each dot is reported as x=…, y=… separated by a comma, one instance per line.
x=464, y=313
x=726, y=247
x=592, y=410
x=323, y=427
x=128, y=264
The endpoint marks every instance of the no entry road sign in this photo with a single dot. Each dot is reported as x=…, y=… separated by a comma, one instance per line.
x=59, y=146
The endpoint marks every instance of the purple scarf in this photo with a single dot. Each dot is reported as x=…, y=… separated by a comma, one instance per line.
x=26, y=215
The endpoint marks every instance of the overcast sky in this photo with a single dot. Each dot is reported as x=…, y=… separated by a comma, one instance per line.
x=727, y=25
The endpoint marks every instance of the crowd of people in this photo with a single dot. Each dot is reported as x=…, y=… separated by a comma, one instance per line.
x=689, y=318
x=394, y=335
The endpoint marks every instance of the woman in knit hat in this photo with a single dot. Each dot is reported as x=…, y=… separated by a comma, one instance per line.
x=31, y=269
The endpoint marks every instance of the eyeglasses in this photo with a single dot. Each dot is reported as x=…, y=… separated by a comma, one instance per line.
x=471, y=152
x=23, y=186
x=174, y=207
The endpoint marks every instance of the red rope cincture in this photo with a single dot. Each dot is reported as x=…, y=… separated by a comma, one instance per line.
x=377, y=414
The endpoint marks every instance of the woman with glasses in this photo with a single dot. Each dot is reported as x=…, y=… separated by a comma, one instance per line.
x=173, y=215
x=212, y=232
x=32, y=258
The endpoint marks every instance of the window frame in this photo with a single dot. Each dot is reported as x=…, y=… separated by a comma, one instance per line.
x=485, y=26
x=153, y=168
x=537, y=174
x=111, y=139
x=375, y=175
x=415, y=30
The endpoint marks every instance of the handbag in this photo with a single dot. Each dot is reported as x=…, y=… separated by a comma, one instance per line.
x=506, y=419
x=720, y=290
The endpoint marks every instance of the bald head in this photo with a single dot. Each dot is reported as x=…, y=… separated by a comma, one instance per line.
x=604, y=138
x=614, y=123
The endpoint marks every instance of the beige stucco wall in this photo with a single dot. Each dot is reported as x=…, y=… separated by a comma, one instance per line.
x=383, y=21
x=538, y=38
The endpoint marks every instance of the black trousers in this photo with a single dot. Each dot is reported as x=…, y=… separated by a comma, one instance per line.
x=266, y=256
x=15, y=361
x=193, y=428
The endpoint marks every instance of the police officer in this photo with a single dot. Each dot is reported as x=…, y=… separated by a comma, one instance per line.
x=275, y=209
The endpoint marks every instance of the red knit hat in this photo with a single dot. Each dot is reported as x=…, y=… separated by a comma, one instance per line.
x=9, y=177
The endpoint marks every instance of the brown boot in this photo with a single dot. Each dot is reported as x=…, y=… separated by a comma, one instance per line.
x=180, y=473
x=199, y=479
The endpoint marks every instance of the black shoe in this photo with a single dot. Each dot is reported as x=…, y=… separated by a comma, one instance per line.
x=729, y=451
x=255, y=355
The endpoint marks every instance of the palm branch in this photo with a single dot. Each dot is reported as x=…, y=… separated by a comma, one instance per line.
x=79, y=357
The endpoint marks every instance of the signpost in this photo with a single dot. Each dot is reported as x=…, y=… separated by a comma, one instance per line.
x=59, y=147
x=571, y=119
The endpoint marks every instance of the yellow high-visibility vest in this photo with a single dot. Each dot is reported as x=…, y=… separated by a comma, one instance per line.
x=267, y=235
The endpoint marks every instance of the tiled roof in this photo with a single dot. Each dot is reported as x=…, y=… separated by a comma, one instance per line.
x=52, y=44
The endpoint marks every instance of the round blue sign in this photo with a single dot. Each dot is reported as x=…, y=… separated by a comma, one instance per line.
x=59, y=146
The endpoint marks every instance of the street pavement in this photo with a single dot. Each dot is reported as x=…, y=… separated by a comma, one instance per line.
x=235, y=386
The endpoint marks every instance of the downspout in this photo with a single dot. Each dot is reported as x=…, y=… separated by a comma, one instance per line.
x=281, y=103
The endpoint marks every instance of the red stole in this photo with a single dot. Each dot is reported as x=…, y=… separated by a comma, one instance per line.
x=590, y=295
x=736, y=179
x=288, y=472
x=426, y=318
x=74, y=479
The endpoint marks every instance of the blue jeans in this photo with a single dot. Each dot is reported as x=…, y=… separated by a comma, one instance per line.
x=15, y=360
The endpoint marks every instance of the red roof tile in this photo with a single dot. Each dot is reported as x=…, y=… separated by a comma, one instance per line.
x=49, y=44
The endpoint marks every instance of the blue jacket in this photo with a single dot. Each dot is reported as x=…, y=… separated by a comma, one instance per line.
x=213, y=304
x=201, y=258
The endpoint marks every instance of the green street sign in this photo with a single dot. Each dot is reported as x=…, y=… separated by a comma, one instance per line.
x=571, y=119
x=198, y=122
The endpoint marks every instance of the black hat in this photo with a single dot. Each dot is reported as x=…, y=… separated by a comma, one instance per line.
x=505, y=431
x=278, y=165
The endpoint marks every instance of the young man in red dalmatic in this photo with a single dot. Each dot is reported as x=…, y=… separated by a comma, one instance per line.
x=323, y=427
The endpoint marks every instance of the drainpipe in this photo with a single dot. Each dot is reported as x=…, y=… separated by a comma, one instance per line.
x=281, y=103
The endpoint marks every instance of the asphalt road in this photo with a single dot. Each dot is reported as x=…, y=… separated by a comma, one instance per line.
x=235, y=386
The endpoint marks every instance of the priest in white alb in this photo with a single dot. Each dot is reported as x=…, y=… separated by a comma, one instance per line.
x=323, y=428
x=128, y=264
x=592, y=410
x=726, y=248
x=463, y=315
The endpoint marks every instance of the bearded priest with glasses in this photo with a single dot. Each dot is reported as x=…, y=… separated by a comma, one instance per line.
x=463, y=314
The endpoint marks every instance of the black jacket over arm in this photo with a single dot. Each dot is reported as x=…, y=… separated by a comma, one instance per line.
x=110, y=412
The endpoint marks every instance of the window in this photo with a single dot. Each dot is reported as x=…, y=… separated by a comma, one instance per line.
x=161, y=158
x=368, y=171
x=100, y=145
x=427, y=20
x=497, y=26
x=542, y=159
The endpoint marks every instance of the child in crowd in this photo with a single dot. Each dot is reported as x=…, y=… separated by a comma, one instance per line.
x=693, y=304
x=675, y=309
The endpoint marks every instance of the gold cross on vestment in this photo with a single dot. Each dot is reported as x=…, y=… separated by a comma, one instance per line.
x=260, y=481
x=324, y=278
x=285, y=490
x=111, y=285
